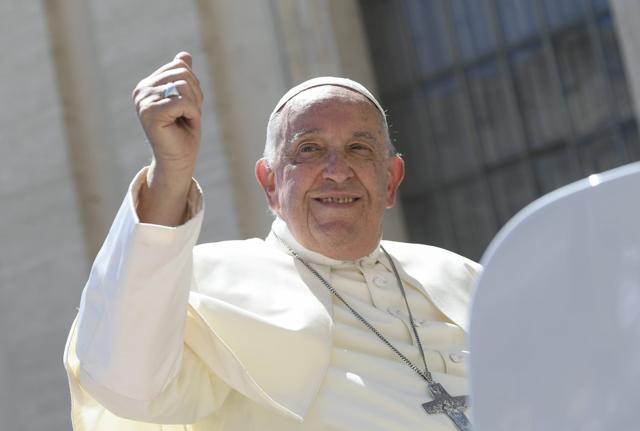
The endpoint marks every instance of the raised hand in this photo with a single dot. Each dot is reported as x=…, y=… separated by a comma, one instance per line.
x=171, y=121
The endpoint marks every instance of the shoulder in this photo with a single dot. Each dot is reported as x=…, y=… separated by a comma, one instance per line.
x=237, y=256
x=446, y=277
x=429, y=259
x=238, y=271
x=228, y=249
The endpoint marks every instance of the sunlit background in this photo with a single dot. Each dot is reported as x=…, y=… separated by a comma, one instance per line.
x=492, y=102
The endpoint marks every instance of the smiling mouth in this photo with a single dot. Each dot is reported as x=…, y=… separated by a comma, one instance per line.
x=337, y=200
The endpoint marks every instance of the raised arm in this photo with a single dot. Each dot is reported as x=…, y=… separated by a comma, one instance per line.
x=127, y=351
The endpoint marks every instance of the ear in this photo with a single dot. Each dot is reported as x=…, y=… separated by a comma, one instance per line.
x=267, y=179
x=395, y=170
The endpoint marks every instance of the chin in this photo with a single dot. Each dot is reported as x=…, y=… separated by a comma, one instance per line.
x=338, y=229
x=341, y=237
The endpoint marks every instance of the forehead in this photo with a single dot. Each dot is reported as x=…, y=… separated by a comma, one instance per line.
x=337, y=105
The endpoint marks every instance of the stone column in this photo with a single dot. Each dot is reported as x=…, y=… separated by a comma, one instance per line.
x=248, y=76
x=92, y=157
x=43, y=258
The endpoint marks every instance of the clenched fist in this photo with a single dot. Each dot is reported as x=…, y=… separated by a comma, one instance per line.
x=172, y=125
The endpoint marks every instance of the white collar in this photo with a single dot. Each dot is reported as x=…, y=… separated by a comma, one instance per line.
x=280, y=228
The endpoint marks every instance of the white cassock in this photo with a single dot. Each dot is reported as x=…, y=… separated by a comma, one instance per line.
x=237, y=335
x=560, y=297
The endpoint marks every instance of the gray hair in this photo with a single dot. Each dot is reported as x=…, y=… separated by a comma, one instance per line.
x=274, y=124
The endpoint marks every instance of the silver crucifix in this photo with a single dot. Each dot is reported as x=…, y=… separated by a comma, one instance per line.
x=451, y=406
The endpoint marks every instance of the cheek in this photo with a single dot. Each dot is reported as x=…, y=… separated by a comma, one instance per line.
x=292, y=188
x=377, y=179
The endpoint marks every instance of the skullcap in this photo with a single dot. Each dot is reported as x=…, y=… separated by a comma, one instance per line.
x=327, y=80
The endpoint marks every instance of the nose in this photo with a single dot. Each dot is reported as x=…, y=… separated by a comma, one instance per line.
x=337, y=167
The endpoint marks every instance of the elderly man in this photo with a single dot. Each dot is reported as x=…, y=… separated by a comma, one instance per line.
x=322, y=326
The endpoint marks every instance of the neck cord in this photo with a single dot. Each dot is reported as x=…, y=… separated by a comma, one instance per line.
x=426, y=374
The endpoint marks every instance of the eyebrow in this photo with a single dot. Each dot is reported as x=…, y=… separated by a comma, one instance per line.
x=299, y=134
x=365, y=135
x=358, y=134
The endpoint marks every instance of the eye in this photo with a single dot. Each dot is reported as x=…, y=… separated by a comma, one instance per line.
x=359, y=146
x=308, y=147
x=307, y=151
x=361, y=149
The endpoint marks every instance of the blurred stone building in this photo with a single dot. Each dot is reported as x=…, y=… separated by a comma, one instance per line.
x=496, y=102
x=493, y=103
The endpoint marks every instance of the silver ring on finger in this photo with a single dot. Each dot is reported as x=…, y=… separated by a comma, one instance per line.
x=171, y=91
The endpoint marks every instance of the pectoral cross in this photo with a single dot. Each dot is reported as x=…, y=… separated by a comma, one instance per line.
x=451, y=406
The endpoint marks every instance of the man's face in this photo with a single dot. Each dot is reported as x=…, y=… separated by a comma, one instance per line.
x=333, y=176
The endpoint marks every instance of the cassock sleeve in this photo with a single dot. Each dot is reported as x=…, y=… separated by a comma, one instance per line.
x=125, y=356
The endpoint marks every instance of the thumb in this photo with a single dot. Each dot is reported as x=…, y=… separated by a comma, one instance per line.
x=184, y=56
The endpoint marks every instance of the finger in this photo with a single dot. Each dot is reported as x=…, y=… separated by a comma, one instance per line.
x=169, y=110
x=186, y=57
x=173, y=75
x=175, y=64
x=154, y=94
x=184, y=89
x=178, y=74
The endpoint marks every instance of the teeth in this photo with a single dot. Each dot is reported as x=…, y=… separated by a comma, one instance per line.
x=337, y=200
